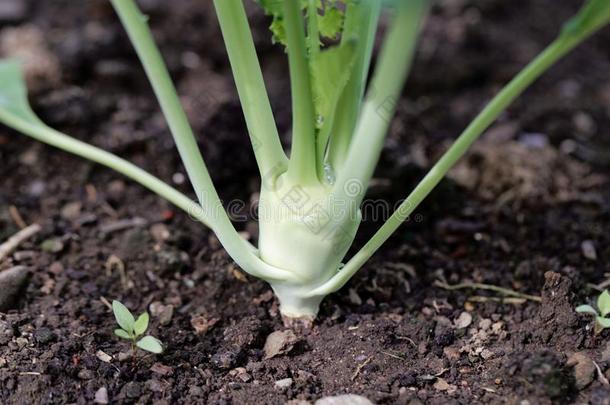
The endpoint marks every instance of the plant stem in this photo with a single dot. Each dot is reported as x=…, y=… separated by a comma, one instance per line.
x=391, y=73
x=523, y=80
x=313, y=39
x=302, y=166
x=248, y=77
x=313, y=33
x=95, y=154
x=133, y=353
x=361, y=21
x=142, y=40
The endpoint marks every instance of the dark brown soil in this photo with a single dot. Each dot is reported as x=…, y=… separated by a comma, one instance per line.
x=392, y=333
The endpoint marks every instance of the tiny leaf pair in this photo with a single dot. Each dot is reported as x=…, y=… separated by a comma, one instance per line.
x=603, y=305
x=132, y=329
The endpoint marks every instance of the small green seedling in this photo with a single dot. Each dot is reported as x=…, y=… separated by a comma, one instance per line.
x=603, y=304
x=131, y=329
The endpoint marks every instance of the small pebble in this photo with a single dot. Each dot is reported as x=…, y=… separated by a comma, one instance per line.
x=101, y=396
x=584, y=369
x=178, y=178
x=103, y=356
x=86, y=374
x=71, y=211
x=463, y=321
x=164, y=313
x=279, y=342
x=54, y=245
x=441, y=385
x=159, y=232
x=348, y=399
x=23, y=255
x=534, y=140
x=162, y=369
x=36, y=188
x=588, y=250
x=122, y=356
x=283, y=384
x=12, y=282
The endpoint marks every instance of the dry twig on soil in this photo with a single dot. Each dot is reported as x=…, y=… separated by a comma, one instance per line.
x=17, y=239
x=489, y=287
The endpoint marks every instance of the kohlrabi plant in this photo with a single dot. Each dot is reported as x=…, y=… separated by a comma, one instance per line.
x=133, y=329
x=603, y=309
x=309, y=208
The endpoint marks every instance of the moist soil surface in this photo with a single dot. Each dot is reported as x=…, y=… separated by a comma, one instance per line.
x=527, y=211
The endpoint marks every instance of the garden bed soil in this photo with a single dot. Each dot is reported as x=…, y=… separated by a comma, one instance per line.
x=528, y=210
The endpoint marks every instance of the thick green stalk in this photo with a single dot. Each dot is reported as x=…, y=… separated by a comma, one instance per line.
x=379, y=107
x=268, y=150
x=313, y=38
x=361, y=21
x=302, y=166
x=543, y=62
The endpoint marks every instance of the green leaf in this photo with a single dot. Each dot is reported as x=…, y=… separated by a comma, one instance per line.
x=271, y=7
x=603, y=303
x=275, y=8
x=592, y=16
x=603, y=322
x=141, y=324
x=331, y=23
x=123, y=316
x=279, y=31
x=122, y=334
x=330, y=71
x=586, y=309
x=330, y=20
x=13, y=92
x=150, y=344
